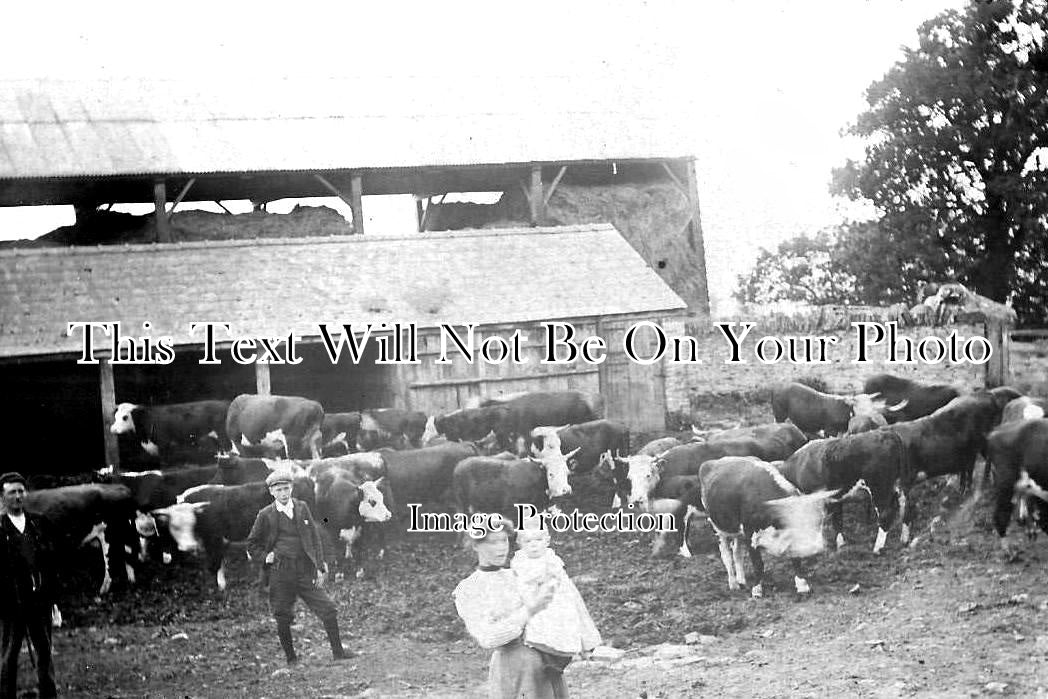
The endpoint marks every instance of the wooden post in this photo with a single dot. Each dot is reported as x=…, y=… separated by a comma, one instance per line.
x=163, y=229
x=356, y=205
x=535, y=197
x=420, y=213
x=998, y=369
x=263, y=387
x=107, y=389
x=696, y=243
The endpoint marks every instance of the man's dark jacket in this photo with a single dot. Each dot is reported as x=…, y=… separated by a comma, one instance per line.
x=37, y=529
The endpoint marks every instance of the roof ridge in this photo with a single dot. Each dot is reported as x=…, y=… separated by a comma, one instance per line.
x=355, y=239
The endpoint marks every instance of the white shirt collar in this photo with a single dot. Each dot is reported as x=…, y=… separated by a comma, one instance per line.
x=288, y=509
x=18, y=521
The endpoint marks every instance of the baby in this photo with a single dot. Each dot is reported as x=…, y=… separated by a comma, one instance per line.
x=563, y=627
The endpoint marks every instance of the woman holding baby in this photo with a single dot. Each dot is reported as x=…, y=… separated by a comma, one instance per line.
x=530, y=613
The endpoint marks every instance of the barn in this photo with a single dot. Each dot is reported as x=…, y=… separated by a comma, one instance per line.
x=558, y=253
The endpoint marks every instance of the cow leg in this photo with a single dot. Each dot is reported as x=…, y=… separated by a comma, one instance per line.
x=800, y=577
x=616, y=502
x=904, y=515
x=886, y=508
x=757, y=560
x=837, y=522
x=738, y=553
x=689, y=512
x=726, y=559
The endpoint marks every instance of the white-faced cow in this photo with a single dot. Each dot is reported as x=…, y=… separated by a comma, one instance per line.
x=815, y=412
x=291, y=421
x=597, y=443
x=752, y=507
x=525, y=411
x=350, y=509
x=210, y=517
x=184, y=432
x=488, y=484
x=1019, y=452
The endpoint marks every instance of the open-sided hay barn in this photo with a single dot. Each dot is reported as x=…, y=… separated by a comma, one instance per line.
x=499, y=280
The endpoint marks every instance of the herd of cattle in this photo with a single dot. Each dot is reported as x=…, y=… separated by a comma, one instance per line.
x=763, y=488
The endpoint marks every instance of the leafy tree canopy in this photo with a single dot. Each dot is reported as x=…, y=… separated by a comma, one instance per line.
x=950, y=131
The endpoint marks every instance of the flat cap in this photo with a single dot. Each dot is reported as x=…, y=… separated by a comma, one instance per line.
x=12, y=477
x=279, y=475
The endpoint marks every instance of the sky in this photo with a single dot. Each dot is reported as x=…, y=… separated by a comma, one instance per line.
x=765, y=87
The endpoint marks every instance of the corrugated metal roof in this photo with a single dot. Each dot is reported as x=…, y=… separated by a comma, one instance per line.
x=268, y=288
x=53, y=128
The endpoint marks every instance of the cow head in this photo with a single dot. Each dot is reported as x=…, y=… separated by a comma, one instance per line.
x=180, y=520
x=643, y=472
x=865, y=404
x=797, y=528
x=123, y=419
x=372, y=503
x=545, y=439
x=556, y=467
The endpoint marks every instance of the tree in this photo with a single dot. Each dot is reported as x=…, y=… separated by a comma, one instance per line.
x=949, y=132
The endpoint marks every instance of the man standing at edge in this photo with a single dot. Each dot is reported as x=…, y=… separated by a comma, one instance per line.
x=26, y=589
x=286, y=538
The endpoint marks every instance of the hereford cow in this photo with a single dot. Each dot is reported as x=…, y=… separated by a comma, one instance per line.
x=91, y=512
x=815, y=412
x=524, y=412
x=291, y=421
x=751, y=506
x=391, y=427
x=350, y=508
x=909, y=399
x=424, y=475
x=470, y=424
x=487, y=484
x=172, y=433
x=210, y=517
x=1019, y=452
x=1024, y=408
x=597, y=443
x=339, y=433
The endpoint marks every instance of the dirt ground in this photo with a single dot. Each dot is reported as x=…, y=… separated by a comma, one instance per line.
x=949, y=616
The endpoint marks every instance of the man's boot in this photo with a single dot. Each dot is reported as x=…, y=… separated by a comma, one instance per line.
x=335, y=639
x=284, y=634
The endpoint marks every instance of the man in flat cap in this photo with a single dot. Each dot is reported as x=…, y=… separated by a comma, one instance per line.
x=286, y=537
x=26, y=588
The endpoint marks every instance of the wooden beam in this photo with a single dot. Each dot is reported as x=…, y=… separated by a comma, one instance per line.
x=107, y=391
x=356, y=203
x=334, y=190
x=263, y=386
x=222, y=206
x=536, y=205
x=163, y=231
x=695, y=240
x=998, y=369
x=553, y=186
x=181, y=195
x=676, y=180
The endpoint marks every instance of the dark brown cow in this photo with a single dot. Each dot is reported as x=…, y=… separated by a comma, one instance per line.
x=180, y=432
x=525, y=412
x=815, y=412
x=391, y=427
x=424, y=475
x=909, y=400
x=290, y=421
x=339, y=433
x=1019, y=452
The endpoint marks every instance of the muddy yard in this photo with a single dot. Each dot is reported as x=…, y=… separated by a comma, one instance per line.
x=950, y=616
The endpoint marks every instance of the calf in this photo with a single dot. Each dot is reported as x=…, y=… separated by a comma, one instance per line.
x=751, y=506
x=210, y=517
